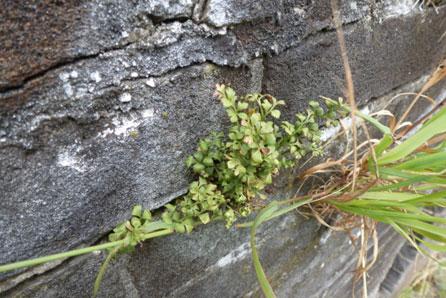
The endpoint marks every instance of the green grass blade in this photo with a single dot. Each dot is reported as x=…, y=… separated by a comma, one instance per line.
x=429, y=235
x=261, y=276
x=278, y=212
x=401, y=184
x=427, y=187
x=384, y=129
x=102, y=269
x=384, y=205
x=389, y=196
x=385, y=143
x=397, y=216
x=429, y=198
x=432, y=246
x=428, y=161
x=289, y=208
x=392, y=173
x=405, y=235
x=435, y=126
x=359, y=211
x=419, y=225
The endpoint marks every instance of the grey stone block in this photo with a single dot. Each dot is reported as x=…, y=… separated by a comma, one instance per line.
x=383, y=56
x=90, y=159
x=101, y=102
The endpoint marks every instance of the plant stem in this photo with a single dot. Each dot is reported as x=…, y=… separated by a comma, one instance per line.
x=71, y=253
x=104, y=266
x=157, y=234
x=76, y=252
x=263, y=215
x=101, y=273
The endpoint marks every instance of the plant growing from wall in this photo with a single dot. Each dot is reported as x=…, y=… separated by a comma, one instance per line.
x=396, y=182
x=393, y=182
x=232, y=171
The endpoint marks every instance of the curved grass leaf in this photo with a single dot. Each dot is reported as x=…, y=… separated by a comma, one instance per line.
x=389, y=196
x=384, y=129
x=434, y=161
x=263, y=215
x=392, y=173
x=435, y=126
x=278, y=212
x=102, y=269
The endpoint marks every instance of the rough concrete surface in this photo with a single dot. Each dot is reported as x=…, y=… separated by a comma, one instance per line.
x=101, y=102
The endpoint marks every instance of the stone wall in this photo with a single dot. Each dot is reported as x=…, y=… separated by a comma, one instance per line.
x=101, y=101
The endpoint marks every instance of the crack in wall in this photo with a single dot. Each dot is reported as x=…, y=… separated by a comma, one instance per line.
x=200, y=10
x=9, y=90
x=12, y=90
x=26, y=277
x=265, y=54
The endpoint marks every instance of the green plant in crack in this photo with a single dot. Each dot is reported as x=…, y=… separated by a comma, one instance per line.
x=399, y=182
x=235, y=169
x=232, y=171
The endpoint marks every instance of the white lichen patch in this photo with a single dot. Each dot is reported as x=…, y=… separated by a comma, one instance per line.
x=234, y=256
x=125, y=126
x=150, y=82
x=353, y=5
x=147, y=113
x=74, y=74
x=346, y=123
x=95, y=76
x=64, y=76
x=397, y=8
x=81, y=92
x=299, y=11
x=70, y=160
x=122, y=126
x=38, y=119
x=68, y=89
x=125, y=97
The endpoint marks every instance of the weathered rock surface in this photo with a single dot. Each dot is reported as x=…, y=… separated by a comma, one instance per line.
x=314, y=68
x=100, y=103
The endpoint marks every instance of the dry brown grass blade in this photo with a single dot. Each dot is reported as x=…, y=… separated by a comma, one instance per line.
x=322, y=167
x=438, y=75
x=423, y=119
x=354, y=194
x=368, y=230
x=354, y=179
x=362, y=260
x=392, y=121
x=428, y=98
x=319, y=168
x=324, y=223
x=349, y=88
x=375, y=249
